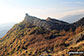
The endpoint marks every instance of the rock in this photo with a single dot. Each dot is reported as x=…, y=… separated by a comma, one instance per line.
x=48, y=24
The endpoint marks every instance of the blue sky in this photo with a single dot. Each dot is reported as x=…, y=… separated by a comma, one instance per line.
x=14, y=10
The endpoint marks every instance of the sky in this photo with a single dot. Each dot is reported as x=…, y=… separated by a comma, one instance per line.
x=14, y=10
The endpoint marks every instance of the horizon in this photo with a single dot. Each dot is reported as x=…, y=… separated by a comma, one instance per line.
x=14, y=11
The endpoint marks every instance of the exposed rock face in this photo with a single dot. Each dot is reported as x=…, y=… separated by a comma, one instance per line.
x=36, y=21
x=57, y=24
x=56, y=21
x=48, y=24
x=31, y=19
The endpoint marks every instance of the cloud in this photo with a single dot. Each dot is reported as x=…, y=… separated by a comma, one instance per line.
x=8, y=14
x=54, y=12
x=73, y=12
x=74, y=2
x=76, y=11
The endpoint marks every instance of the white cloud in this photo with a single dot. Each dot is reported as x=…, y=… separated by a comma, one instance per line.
x=80, y=11
x=74, y=2
x=54, y=12
x=8, y=14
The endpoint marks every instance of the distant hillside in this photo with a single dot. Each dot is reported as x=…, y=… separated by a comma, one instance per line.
x=79, y=22
x=72, y=18
x=36, y=37
x=4, y=28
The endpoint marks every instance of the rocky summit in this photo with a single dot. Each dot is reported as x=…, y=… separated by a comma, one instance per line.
x=48, y=24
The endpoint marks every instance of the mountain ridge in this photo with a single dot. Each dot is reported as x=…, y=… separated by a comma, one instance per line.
x=48, y=23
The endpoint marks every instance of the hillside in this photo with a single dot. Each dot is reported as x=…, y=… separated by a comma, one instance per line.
x=35, y=37
x=79, y=22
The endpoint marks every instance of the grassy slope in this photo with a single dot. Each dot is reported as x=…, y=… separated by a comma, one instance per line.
x=25, y=39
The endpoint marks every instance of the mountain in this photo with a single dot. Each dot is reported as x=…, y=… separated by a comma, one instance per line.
x=79, y=22
x=72, y=18
x=4, y=28
x=36, y=37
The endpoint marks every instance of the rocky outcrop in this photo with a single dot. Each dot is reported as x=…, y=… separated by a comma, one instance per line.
x=36, y=21
x=48, y=24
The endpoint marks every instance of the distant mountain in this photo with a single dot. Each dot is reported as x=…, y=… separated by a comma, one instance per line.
x=72, y=18
x=79, y=22
x=4, y=28
x=36, y=37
